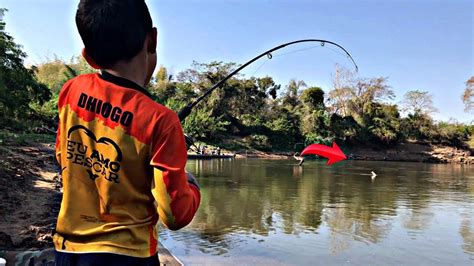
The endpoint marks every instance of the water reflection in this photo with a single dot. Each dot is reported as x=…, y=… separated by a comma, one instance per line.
x=467, y=231
x=247, y=201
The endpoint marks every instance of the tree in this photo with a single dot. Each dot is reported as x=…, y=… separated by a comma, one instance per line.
x=162, y=74
x=315, y=127
x=350, y=94
x=382, y=123
x=344, y=128
x=290, y=98
x=18, y=84
x=368, y=91
x=239, y=100
x=315, y=119
x=418, y=126
x=342, y=92
x=417, y=101
x=284, y=128
x=338, y=100
x=162, y=78
x=468, y=95
x=201, y=125
x=52, y=74
x=268, y=85
x=163, y=87
x=80, y=65
x=313, y=97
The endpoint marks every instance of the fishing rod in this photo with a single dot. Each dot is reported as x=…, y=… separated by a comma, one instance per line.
x=185, y=111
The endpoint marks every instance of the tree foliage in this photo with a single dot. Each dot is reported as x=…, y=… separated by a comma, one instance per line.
x=350, y=95
x=354, y=111
x=418, y=126
x=18, y=85
x=383, y=123
x=54, y=74
x=468, y=95
x=417, y=101
x=251, y=108
x=313, y=97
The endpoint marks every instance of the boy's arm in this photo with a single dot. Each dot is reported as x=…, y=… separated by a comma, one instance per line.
x=61, y=103
x=178, y=199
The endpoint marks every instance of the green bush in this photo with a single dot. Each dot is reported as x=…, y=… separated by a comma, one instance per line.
x=260, y=142
x=18, y=84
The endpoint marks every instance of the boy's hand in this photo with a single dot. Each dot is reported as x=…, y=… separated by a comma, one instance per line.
x=192, y=180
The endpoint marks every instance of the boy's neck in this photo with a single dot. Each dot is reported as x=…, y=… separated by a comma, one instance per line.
x=129, y=70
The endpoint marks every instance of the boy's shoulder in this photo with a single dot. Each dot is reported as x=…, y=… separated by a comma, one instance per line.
x=104, y=85
x=92, y=93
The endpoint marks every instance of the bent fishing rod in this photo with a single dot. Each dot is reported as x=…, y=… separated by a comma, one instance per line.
x=185, y=111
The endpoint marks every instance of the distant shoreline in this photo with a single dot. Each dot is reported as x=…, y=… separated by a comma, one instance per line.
x=404, y=152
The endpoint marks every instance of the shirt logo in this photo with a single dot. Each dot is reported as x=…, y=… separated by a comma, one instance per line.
x=100, y=157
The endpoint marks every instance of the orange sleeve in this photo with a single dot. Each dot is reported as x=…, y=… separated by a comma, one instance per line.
x=58, y=146
x=178, y=199
x=61, y=103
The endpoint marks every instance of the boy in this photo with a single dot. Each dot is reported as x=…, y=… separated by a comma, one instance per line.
x=119, y=150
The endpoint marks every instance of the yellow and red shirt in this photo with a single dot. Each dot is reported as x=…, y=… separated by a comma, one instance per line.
x=123, y=160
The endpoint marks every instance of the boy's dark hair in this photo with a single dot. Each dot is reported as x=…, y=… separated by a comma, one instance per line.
x=113, y=30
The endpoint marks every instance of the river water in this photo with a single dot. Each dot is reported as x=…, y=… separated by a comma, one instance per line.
x=274, y=212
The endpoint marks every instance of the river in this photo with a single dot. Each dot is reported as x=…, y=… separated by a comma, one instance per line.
x=256, y=211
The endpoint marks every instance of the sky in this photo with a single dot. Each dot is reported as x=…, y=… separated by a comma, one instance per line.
x=418, y=44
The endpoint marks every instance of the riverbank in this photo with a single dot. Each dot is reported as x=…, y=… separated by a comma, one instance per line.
x=31, y=195
x=415, y=152
x=404, y=152
x=31, y=187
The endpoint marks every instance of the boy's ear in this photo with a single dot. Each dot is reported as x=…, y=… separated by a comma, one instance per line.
x=153, y=40
x=89, y=59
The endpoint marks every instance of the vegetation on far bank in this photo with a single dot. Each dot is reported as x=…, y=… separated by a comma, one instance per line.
x=247, y=112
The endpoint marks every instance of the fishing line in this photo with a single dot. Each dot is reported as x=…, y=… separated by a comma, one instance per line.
x=260, y=66
x=338, y=52
x=184, y=112
x=271, y=56
x=297, y=51
x=322, y=45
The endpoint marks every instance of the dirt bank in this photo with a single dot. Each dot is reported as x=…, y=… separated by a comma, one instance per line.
x=414, y=152
x=30, y=195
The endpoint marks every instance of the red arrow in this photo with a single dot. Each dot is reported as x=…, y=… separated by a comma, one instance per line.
x=334, y=154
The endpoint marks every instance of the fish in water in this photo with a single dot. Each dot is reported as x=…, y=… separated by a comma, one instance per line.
x=298, y=158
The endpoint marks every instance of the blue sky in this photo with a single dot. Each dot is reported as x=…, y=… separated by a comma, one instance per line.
x=417, y=44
